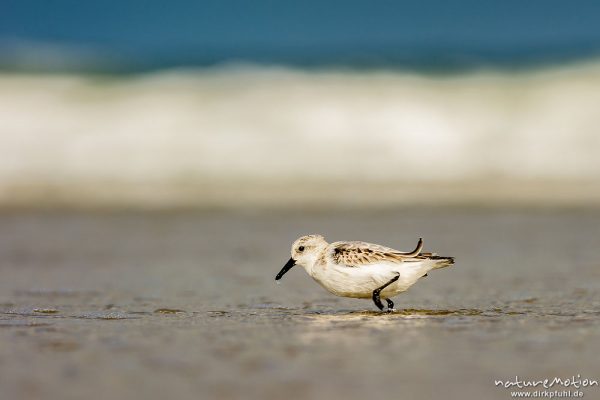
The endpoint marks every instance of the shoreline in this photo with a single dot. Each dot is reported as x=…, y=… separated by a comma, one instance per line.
x=299, y=195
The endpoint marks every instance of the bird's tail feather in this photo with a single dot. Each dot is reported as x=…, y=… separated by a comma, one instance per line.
x=442, y=262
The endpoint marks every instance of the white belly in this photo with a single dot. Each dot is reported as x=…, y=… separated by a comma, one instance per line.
x=360, y=282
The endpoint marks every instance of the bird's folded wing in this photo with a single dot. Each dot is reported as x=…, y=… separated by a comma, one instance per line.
x=357, y=254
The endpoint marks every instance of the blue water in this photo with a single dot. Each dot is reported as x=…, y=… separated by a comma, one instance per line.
x=153, y=34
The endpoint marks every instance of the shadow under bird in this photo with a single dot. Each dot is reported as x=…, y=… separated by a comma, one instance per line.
x=362, y=270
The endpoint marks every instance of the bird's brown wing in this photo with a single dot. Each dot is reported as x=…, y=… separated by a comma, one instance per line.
x=356, y=254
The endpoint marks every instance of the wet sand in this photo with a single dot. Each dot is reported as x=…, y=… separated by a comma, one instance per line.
x=184, y=305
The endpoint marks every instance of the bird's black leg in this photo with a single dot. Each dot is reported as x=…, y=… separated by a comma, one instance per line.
x=390, y=304
x=377, y=300
x=377, y=292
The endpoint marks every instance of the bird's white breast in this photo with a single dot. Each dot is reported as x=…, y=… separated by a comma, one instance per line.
x=360, y=282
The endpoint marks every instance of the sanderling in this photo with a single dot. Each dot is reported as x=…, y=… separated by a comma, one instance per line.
x=362, y=270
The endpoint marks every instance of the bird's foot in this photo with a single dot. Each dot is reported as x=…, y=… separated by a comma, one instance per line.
x=377, y=292
x=390, y=304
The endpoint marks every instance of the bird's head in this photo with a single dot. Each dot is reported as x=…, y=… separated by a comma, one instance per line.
x=305, y=251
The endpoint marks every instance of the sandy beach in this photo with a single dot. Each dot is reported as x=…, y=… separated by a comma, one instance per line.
x=184, y=305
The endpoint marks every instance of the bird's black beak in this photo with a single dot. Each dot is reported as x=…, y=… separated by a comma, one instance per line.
x=288, y=265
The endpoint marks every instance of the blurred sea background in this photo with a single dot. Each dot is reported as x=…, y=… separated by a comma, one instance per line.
x=149, y=104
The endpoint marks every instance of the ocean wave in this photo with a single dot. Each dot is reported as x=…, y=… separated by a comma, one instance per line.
x=289, y=126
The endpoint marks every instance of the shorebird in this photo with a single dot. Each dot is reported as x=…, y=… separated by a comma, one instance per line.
x=362, y=270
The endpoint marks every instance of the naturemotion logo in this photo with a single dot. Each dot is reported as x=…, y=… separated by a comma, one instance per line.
x=547, y=387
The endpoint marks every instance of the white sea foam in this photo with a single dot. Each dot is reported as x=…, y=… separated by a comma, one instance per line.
x=284, y=125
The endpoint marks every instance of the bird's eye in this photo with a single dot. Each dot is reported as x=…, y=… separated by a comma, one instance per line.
x=301, y=248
